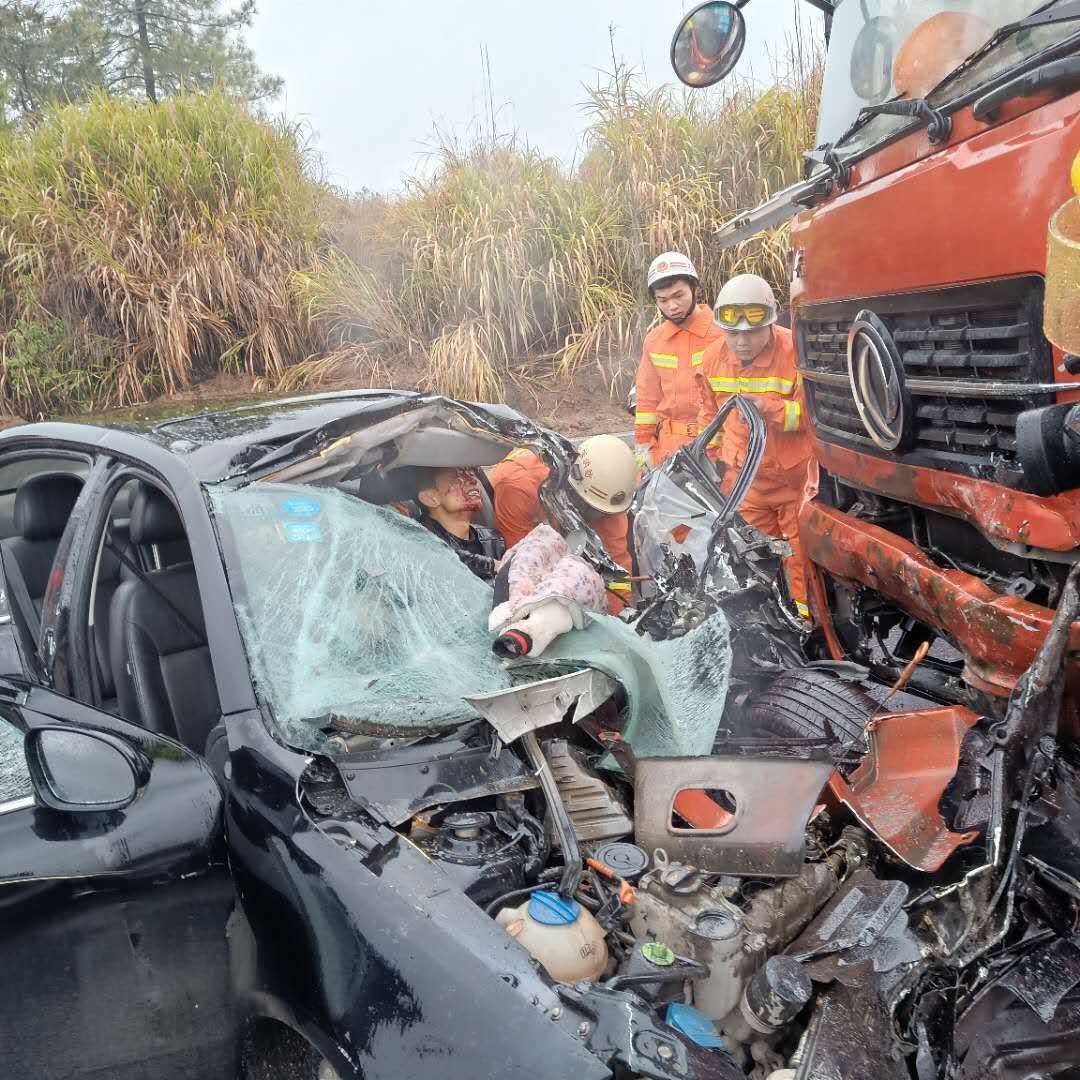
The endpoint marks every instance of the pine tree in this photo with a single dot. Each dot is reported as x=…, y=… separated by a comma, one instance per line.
x=157, y=47
x=48, y=53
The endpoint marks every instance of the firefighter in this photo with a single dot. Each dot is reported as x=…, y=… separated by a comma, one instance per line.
x=666, y=415
x=602, y=482
x=756, y=357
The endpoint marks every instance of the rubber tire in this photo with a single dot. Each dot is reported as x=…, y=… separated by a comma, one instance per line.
x=799, y=704
x=273, y=1051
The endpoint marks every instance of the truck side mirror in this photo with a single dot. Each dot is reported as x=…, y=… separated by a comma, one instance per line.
x=72, y=769
x=708, y=44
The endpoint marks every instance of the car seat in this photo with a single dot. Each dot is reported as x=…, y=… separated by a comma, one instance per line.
x=160, y=657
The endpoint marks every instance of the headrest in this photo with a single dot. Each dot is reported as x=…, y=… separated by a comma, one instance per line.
x=154, y=519
x=382, y=487
x=43, y=504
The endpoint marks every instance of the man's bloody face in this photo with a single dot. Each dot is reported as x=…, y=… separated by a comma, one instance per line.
x=458, y=490
x=747, y=345
x=675, y=300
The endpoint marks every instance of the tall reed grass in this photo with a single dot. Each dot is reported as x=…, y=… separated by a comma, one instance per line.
x=506, y=266
x=143, y=248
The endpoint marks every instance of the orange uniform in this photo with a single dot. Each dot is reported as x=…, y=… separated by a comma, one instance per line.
x=788, y=472
x=516, y=482
x=667, y=393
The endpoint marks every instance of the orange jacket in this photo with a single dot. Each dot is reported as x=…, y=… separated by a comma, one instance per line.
x=666, y=385
x=772, y=383
x=516, y=483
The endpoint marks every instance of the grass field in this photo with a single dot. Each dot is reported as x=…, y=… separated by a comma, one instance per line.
x=145, y=249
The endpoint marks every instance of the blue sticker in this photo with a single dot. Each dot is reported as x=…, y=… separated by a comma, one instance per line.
x=301, y=507
x=302, y=532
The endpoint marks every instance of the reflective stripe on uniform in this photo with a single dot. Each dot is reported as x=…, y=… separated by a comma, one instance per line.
x=695, y=359
x=516, y=455
x=802, y=609
x=619, y=586
x=649, y=418
x=721, y=384
x=664, y=360
x=792, y=414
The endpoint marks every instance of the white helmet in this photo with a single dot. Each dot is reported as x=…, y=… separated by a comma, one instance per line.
x=672, y=264
x=735, y=304
x=604, y=473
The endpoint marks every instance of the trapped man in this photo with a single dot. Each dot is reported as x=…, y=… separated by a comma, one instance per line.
x=449, y=500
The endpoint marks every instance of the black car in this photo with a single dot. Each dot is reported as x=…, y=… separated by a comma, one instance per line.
x=228, y=846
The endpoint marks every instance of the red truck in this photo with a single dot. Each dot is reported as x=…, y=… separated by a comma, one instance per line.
x=949, y=511
x=940, y=357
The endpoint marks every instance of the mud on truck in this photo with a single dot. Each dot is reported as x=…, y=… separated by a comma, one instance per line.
x=934, y=301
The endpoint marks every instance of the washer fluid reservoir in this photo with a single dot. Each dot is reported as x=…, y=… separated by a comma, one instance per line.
x=559, y=933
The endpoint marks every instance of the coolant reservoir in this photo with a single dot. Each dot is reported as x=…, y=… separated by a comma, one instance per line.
x=560, y=934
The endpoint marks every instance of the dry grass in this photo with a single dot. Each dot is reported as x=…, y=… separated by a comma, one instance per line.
x=504, y=266
x=144, y=248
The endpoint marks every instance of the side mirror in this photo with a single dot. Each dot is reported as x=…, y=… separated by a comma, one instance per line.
x=75, y=769
x=708, y=44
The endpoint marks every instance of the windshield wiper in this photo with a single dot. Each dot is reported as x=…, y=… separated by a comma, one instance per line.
x=1050, y=13
x=1055, y=75
x=938, y=124
x=921, y=107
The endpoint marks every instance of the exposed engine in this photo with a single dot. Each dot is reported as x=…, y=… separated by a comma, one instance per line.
x=791, y=907
x=840, y=891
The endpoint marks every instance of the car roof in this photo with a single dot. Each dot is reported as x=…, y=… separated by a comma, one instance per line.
x=213, y=444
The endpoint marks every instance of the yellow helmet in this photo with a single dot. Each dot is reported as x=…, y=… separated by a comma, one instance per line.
x=603, y=473
x=745, y=303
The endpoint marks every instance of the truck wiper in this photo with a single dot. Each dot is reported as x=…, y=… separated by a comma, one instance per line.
x=1056, y=75
x=938, y=123
x=1046, y=15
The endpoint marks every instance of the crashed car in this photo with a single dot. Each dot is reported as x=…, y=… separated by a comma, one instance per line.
x=247, y=820
x=272, y=807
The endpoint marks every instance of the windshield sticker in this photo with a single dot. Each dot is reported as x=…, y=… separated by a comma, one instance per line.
x=301, y=507
x=302, y=532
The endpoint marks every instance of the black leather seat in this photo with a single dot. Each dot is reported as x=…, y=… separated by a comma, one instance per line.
x=43, y=505
x=160, y=659
x=111, y=572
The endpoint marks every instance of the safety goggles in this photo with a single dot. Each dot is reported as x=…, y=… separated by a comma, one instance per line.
x=731, y=316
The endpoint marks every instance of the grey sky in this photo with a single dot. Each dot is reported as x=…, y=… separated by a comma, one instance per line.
x=372, y=78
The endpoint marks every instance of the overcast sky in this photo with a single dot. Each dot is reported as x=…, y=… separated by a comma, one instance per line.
x=373, y=78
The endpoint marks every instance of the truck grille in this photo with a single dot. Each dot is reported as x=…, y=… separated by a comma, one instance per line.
x=968, y=335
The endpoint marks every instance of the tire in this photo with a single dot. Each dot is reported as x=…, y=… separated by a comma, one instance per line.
x=273, y=1051
x=811, y=704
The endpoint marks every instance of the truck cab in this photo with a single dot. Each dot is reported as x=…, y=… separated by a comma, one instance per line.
x=949, y=509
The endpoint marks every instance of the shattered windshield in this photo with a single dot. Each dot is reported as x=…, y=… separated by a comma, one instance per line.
x=882, y=49
x=353, y=610
x=357, y=618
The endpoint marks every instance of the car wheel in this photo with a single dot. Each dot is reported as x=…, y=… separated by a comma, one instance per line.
x=273, y=1051
x=812, y=704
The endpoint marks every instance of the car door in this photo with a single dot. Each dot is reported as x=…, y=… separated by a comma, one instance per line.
x=114, y=899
